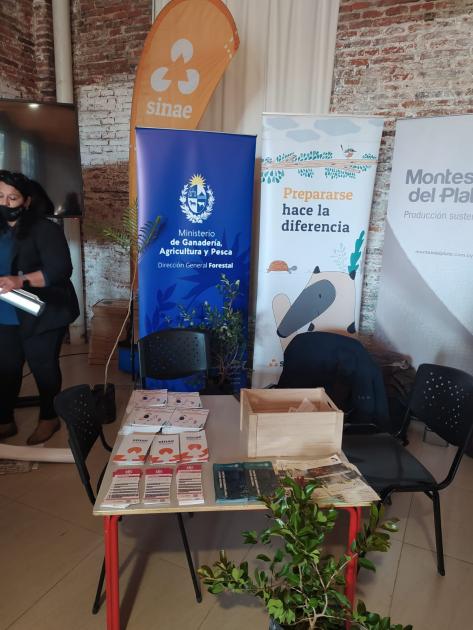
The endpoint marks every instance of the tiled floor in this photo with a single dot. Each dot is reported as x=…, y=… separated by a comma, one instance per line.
x=51, y=548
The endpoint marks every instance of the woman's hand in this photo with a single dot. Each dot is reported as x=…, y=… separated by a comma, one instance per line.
x=8, y=283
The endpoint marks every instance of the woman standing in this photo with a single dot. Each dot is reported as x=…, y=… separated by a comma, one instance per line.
x=34, y=256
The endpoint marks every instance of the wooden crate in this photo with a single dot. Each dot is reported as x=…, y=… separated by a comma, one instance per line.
x=107, y=320
x=269, y=429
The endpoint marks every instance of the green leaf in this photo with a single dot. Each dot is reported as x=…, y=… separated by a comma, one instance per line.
x=341, y=598
x=236, y=573
x=205, y=571
x=215, y=589
x=250, y=537
x=302, y=579
x=366, y=564
x=298, y=493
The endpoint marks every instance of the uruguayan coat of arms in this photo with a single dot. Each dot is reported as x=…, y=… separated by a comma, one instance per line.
x=197, y=199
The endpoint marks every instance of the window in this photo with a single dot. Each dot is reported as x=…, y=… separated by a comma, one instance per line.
x=28, y=159
x=2, y=149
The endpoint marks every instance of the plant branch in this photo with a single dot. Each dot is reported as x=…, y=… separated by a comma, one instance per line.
x=130, y=301
x=130, y=239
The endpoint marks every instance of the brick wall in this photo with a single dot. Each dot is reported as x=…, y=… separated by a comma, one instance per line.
x=399, y=58
x=26, y=50
x=394, y=58
x=108, y=37
x=43, y=44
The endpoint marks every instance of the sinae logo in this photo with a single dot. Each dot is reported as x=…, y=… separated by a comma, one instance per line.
x=197, y=199
x=164, y=77
x=181, y=48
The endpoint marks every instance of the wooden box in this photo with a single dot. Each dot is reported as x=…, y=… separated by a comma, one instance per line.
x=269, y=429
x=106, y=322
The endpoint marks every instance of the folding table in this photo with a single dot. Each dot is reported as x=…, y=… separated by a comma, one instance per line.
x=223, y=437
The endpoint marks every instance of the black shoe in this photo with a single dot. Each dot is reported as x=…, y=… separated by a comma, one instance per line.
x=44, y=430
x=7, y=430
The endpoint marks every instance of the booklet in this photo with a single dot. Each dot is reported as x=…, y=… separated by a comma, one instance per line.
x=133, y=449
x=193, y=446
x=147, y=420
x=164, y=449
x=190, y=490
x=124, y=489
x=186, y=420
x=187, y=400
x=147, y=398
x=240, y=482
x=158, y=485
x=261, y=480
x=142, y=421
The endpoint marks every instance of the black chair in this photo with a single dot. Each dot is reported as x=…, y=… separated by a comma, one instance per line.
x=169, y=354
x=76, y=406
x=173, y=353
x=442, y=398
x=345, y=369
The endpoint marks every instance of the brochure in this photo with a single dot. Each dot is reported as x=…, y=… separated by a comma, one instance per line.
x=124, y=489
x=133, y=449
x=193, y=446
x=190, y=490
x=147, y=398
x=147, y=420
x=158, y=485
x=186, y=420
x=164, y=449
x=240, y=482
x=186, y=400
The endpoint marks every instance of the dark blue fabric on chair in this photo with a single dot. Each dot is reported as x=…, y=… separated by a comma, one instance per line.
x=344, y=368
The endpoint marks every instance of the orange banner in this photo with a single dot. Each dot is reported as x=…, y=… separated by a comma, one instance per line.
x=185, y=55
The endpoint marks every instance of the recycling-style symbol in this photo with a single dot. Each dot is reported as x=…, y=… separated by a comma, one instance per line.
x=181, y=48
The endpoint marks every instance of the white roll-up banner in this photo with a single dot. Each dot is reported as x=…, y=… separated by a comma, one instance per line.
x=425, y=303
x=36, y=454
x=317, y=177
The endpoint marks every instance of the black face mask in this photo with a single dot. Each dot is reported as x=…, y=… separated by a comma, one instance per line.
x=11, y=214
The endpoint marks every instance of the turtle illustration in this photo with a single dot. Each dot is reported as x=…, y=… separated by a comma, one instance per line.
x=349, y=151
x=281, y=265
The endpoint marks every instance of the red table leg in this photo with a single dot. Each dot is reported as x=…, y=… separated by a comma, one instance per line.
x=110, y=524
x=351, y=569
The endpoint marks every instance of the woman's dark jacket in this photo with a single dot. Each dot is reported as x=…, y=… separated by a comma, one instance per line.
x=42, y=246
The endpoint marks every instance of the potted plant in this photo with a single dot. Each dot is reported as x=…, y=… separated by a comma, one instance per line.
x=300, y=584
x=134, y=242
x=226, y=332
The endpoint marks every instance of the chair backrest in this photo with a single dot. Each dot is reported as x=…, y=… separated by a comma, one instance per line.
x=344, y=368
x=76, y=406
x=442, y=398
x=173, y=353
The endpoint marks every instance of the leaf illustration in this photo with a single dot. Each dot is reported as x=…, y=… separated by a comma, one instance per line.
x=355, y=256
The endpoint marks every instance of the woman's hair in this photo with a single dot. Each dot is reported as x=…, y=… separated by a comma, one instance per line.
x=40, y=201
x=18, y=181
x=25, y=188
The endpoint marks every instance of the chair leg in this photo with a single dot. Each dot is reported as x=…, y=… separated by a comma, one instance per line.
x=438, y=532
x=198, y=594
x=98, y=594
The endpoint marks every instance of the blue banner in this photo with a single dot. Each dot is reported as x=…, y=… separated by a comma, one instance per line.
x=196, y=272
